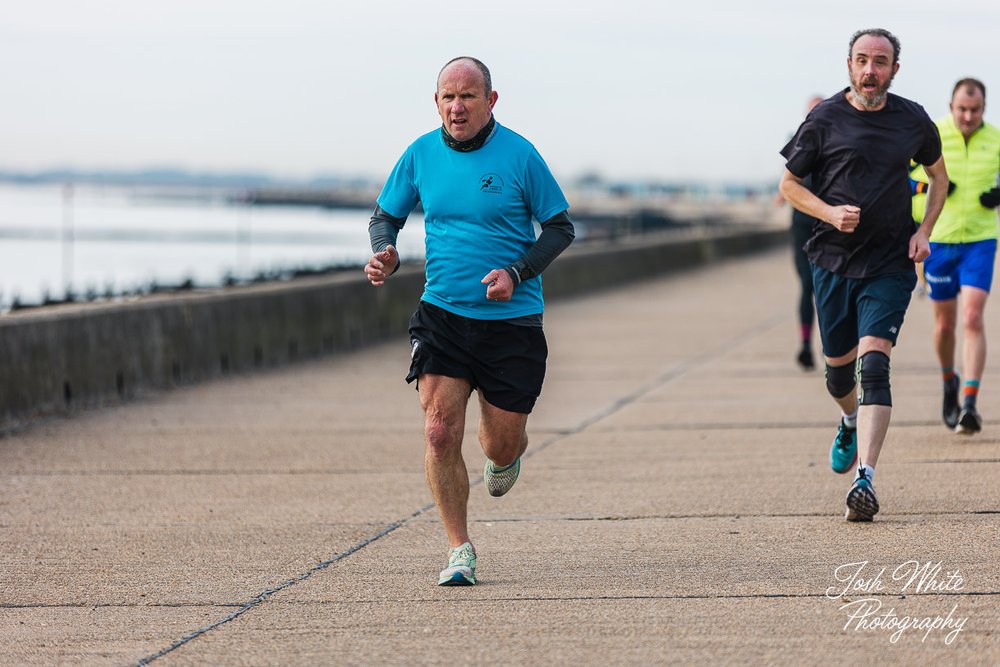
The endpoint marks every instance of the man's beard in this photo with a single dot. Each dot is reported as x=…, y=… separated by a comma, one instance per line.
x=871, y=100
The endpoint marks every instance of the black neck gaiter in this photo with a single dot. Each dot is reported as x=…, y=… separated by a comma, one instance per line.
x=469, y=144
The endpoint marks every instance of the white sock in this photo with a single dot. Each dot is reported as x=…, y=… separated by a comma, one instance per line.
x=869, y=472
x=850, y=420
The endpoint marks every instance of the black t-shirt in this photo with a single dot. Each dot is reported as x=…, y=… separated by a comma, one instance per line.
x=862, y=158
x=800, y=219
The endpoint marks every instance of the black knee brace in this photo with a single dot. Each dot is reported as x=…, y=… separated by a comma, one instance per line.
x=840, y=380
x=873, y=370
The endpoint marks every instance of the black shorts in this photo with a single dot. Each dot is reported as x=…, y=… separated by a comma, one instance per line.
x=504, y=361
x=850, y=308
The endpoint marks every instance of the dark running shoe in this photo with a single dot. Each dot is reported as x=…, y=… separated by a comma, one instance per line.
x=806, y=360
x=949, y=406
x=969, y=421
x=862, y=505
x=844, y=450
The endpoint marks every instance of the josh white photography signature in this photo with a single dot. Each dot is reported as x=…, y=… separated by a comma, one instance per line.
x=911, y=577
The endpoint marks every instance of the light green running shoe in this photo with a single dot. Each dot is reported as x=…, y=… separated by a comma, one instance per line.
x=500, y=480
x=461, y=570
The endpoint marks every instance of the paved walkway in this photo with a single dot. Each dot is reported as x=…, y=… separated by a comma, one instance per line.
x=676, y=507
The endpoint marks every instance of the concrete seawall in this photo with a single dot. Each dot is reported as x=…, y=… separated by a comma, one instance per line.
x=60, y=359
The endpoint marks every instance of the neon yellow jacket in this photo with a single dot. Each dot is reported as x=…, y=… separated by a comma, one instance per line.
x=973, y=168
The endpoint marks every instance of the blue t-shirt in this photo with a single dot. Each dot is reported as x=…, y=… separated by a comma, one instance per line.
x=478, y=210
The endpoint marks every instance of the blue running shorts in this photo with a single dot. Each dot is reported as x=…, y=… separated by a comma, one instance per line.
x=954, y=265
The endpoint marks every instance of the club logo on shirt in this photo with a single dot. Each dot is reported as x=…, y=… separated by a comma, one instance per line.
x=491, y=183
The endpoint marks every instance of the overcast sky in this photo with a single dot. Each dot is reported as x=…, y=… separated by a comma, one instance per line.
x=706, y=91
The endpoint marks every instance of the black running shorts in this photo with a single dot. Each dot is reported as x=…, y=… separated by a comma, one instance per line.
x=504, y=361
x=851, y=308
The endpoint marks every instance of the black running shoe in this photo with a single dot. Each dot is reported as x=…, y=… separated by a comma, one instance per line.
x=806, y=360
x=949, y=407
x=969, y=421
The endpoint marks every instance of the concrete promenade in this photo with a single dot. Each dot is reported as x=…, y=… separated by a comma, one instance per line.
x=676, y=507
